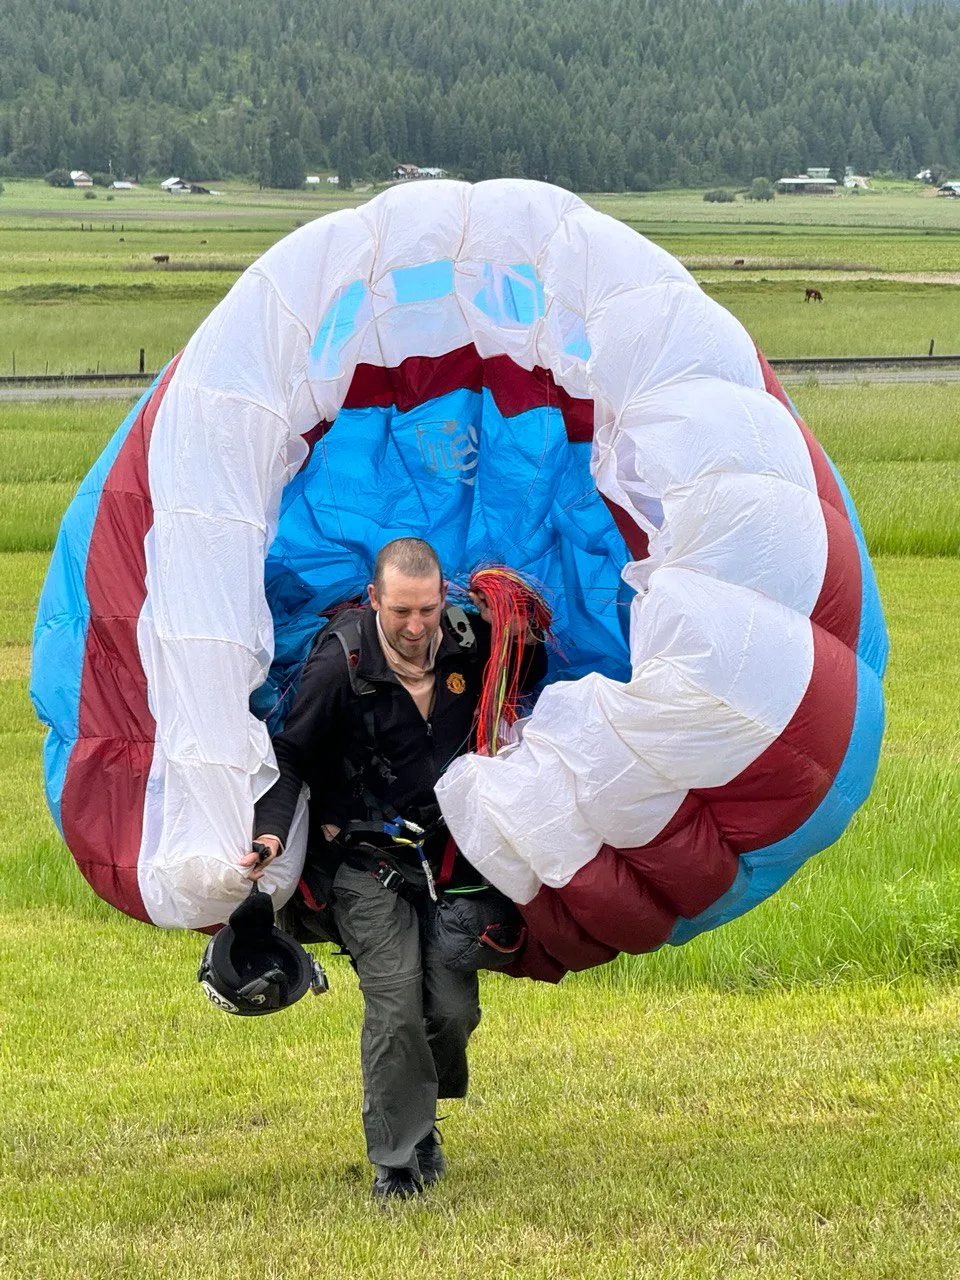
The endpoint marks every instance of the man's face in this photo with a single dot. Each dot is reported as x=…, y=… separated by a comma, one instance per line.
x=410, y=610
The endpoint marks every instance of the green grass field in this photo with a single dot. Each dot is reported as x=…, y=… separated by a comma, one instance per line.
x=775, y=1100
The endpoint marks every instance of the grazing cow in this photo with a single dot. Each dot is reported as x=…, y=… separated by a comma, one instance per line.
x=161, y=257
x=813, y=295
x=738, y=262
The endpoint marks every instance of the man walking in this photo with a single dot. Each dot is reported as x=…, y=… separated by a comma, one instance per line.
x=377, y=718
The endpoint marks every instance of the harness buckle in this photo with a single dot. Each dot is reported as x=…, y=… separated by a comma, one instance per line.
x=389, y=877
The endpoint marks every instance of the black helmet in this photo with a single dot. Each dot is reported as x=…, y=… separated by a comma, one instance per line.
x=478, y=928
x=250, y=966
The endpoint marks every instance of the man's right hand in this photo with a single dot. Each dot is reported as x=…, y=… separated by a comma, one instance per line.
x=258, y=862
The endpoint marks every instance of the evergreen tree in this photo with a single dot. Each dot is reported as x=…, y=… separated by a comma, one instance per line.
x=602, y=93
x=135, y=147
x=345, y=159
x=902, y=159
x=290, y=170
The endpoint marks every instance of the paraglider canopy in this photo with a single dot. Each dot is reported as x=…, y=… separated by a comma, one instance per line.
x=505, y=372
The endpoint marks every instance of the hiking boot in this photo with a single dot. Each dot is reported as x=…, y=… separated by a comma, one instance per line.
x=430, y=1157
x=395, y=1184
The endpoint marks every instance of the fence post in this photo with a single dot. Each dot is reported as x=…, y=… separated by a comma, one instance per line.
x=141, y=359
x=14, y=364
x=930, y=352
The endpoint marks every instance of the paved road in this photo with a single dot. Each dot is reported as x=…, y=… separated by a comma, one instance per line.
x=71, y=393
x=826, y=376
x=830, y=376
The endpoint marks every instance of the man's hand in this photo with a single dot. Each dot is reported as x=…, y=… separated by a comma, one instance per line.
x=258, y=862
x=480, y=600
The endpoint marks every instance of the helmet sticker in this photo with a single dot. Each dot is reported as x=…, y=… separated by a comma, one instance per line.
x=214, y=996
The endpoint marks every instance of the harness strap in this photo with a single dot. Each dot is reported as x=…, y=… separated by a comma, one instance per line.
x=308, y=897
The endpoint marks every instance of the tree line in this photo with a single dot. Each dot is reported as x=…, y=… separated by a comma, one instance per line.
x=591, y=94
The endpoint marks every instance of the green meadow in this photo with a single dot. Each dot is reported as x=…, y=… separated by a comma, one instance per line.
x=80, y=291
x=776, y=1099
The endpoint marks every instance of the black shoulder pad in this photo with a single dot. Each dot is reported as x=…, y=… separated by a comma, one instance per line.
x=346, y=628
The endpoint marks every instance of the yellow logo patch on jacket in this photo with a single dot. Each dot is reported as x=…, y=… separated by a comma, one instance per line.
x=456, y=682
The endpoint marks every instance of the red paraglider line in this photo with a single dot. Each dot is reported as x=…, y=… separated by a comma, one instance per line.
x=106, y=780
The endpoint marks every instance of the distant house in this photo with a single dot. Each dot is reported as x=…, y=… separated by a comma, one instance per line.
x=334, y=179
x=949, y=189
x=80, y=178
x=122, y=186
x=312, y=180
x=178, y=187
x=433, y=173
x=925, y=175
x=815, y=182
x=403, y=172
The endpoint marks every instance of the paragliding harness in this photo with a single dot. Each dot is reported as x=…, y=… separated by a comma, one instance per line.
x=477, y=926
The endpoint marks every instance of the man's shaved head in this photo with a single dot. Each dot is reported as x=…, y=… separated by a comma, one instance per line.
x=411, y=557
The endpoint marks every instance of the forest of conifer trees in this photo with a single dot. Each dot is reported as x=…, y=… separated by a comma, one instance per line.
x=592, y=94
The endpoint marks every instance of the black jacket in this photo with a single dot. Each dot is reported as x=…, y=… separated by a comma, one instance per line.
x=325, y=729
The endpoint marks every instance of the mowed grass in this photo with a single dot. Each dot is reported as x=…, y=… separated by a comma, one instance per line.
x=775, y=1099
x=610, y=1135
x=817, y=250
x=906, y=208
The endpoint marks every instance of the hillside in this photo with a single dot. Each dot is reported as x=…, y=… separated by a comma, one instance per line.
x=596, y=94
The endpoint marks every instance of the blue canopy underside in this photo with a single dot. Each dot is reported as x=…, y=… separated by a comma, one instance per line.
x=481, y=488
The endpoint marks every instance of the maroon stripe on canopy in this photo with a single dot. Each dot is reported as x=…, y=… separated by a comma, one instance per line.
x=838, y=608
x=514, y=391
x=106, y=781
x=629, y=899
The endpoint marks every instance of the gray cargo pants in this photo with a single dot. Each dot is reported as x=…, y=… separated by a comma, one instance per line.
x=418, y=1014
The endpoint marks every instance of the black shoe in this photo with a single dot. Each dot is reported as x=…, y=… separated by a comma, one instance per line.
x=395, y=1184
x=430, y=1157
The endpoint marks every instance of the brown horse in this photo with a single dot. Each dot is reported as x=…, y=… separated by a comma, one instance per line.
x=813, y=295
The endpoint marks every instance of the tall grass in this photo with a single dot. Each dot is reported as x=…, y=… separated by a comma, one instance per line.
x=883, y=422
x=88, y=336
x=909, y=508
x=858, y=318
